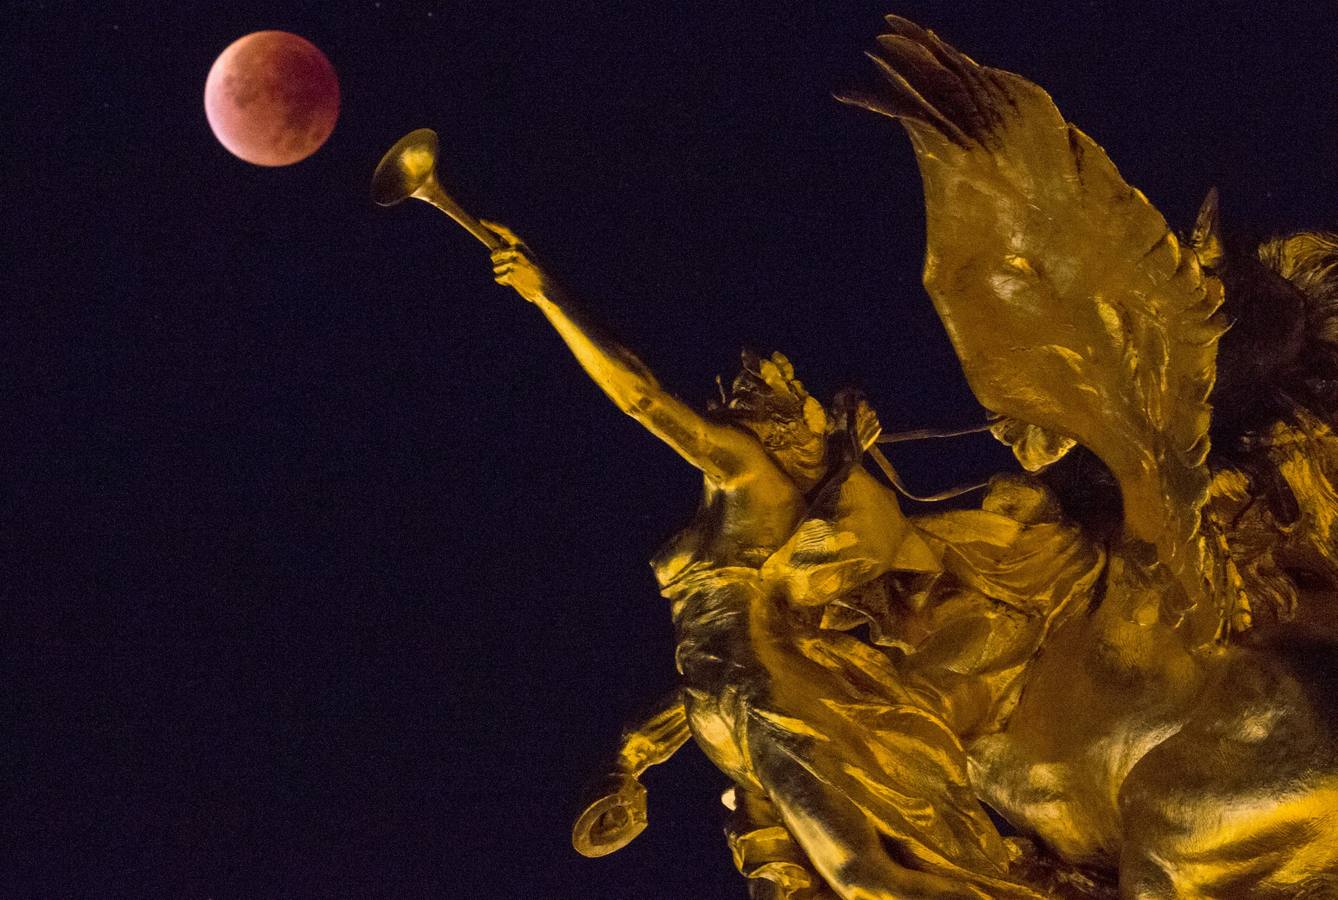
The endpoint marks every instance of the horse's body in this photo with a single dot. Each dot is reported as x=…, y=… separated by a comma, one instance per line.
x=1209, y=773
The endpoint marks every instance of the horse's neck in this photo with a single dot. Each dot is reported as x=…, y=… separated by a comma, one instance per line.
x=1104, y=675
x=1108, y=659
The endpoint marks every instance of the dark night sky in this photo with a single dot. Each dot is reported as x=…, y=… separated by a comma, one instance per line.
x=323, y=565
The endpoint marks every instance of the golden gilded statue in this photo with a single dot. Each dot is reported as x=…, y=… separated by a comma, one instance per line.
x=1129, y=651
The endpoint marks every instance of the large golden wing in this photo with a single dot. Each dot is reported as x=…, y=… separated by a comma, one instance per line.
x=1069, y=301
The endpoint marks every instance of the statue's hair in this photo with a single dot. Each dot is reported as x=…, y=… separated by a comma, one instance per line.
x=766, y=395
x=1309, y=260
x=1309, y=264
x=1291, y=459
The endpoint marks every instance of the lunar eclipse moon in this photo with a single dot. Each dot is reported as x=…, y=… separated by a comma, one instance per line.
x=271, y=98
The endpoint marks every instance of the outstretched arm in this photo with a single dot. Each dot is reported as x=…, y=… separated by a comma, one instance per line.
x=719, y=450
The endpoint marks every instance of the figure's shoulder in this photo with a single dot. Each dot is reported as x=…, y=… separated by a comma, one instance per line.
x=1012, y=504
x=1017, y=548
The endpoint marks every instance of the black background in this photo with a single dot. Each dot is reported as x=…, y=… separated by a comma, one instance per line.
x=323, y=564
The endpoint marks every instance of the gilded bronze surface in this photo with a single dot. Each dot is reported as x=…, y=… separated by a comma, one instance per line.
x=1128, y=650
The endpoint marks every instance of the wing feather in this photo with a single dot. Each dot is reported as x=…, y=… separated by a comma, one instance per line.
x=1072, y=305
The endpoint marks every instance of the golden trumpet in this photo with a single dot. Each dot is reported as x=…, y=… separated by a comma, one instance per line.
x=409, y=169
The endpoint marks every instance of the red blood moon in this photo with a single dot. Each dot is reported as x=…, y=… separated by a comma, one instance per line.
x=271, y=98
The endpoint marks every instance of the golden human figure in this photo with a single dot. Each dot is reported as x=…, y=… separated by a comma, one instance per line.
x=813, y=728
x=1129, y=650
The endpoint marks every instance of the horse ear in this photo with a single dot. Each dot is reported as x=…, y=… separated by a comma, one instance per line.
x=1207, y=236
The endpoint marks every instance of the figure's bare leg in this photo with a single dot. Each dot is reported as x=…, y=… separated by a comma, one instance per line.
x=765, y=852
x=840, y=841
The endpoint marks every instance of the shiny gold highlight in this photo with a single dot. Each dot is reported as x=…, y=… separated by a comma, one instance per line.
x=1129, y=650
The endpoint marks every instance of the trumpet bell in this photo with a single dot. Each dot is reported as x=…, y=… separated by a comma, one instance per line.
x=409, y=169
x=406, y=167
